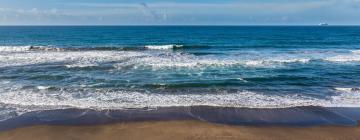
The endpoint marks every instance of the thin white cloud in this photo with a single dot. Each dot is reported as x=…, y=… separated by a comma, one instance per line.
x=235, y=12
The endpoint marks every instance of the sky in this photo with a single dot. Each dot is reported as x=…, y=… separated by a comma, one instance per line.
x=179, y=12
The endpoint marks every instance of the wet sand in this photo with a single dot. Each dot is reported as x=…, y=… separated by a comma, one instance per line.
x=295, y=116
x=179, y=130
x=186, y=123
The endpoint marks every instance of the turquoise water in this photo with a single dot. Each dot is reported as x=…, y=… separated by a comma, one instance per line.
x=117, y=67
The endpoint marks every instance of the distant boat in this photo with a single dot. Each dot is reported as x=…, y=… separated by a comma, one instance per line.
x=323, y=24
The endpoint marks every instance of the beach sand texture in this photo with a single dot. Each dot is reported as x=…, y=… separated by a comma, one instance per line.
x=180, y=130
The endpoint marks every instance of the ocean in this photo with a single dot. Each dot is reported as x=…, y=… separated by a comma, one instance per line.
x=44, y=68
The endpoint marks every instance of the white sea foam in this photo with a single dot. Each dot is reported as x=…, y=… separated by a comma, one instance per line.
x=347, y=97
x=80, y=65
x=44, y=54
x=14, y=48
x=43, y=87
x=354, y=56
x=154, y=59
x=347, y=89
x=344, y=58
x=162, y=47
x=27, y=48
x=356, y=51
x=103, y=99
x=301, y=60
x=68, y=58
x=136, y=59
x=242, y=79
x=273, y=62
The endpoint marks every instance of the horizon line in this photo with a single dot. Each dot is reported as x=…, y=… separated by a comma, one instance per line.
x=177, y=25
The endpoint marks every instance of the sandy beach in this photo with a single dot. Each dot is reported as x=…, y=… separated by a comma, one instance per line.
x=179, y=130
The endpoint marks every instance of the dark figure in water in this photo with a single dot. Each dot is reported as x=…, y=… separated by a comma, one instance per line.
x=31, y=47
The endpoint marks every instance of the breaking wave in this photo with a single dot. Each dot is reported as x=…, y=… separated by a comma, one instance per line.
x=19, y=102
x=108, y=99
x=140, y=58
x=347, y=89
x=163, y=47
x=135, y=59
x=27, y=48
x=356, y=51
x=354, y=56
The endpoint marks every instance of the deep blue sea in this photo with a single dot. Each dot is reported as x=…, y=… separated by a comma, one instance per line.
x=119, y=67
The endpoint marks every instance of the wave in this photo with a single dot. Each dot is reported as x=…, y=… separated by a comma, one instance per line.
x=43, y=87
x=137, y=59
x=356, y=51
x=28, y=48
x=50, y=48
x=32, y=100
x=79, y=65
x=14, y=49
x=163, y=47
x=65, y=58
x=347, y=96
x=120, y=58
x=140, y=48
x=354, y=56
x=278, y=61
x=347, y=89
x=344, y=58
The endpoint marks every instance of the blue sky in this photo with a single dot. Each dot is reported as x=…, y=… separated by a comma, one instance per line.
x=179, y=12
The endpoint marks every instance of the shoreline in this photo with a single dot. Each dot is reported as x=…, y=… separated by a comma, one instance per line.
x=179, y=130
x=306, y=116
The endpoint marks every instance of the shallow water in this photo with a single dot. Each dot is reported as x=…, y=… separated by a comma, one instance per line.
x=45, y=68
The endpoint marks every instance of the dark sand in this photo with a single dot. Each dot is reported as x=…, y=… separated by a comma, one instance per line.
x=180, y=130
x=186, y=123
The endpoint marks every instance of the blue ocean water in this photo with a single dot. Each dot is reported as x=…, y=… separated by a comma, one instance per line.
x=117, y=67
